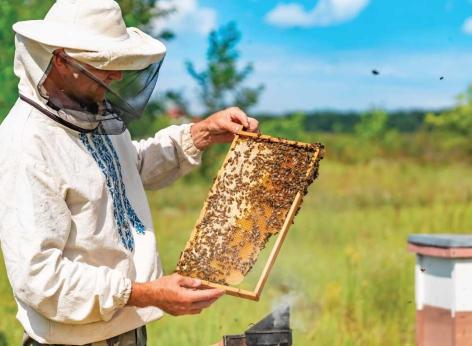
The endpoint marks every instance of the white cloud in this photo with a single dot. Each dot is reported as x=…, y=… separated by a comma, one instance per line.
x=189, y=17
x=325, y=13
x=467, y=26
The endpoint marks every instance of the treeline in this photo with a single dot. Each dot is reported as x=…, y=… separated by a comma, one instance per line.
x=403, y=121
x=361, y=138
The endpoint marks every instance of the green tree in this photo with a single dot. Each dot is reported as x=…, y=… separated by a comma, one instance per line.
x=372, y=125
x=222, y=82
x=137, y=13
x=150, y=122
x=140, y=13
x=221, y=85
x=11, y=12
x=178, y=99
x=291, y=126
x=457, y=120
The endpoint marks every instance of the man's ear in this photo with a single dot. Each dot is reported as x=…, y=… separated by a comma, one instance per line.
x=58, y=59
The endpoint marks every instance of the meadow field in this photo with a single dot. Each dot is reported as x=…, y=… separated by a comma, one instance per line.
x=344, y=265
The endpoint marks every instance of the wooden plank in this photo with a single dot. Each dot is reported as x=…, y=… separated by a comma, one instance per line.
x=437, y=326
x=232, y=291
x=275, y=139
x=432, y=251
x=282, y=234
x=278, y=245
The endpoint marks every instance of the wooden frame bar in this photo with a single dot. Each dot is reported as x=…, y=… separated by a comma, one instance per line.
x=255, y=295
x=457, y=252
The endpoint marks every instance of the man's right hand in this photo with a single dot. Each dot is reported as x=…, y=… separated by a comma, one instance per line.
x=175, y=294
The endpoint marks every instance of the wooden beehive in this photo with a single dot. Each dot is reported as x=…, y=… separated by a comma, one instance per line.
x=255, y=196
x=443, y=287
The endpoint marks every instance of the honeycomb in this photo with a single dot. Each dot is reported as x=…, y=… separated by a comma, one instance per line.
x=248, y=204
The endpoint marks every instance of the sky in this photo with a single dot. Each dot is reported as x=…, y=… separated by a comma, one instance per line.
x=319, y=54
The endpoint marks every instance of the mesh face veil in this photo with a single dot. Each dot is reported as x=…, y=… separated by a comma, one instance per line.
x=101, y=101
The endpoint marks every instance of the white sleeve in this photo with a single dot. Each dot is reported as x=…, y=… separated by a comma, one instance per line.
x=60, y=289
x=167, y=156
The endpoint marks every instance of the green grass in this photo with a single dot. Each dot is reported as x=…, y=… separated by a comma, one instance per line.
x=344, y=262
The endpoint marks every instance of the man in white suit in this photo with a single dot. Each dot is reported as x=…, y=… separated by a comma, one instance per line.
x=76, y=231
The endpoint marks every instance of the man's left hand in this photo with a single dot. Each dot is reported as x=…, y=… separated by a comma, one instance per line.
x=221, y=127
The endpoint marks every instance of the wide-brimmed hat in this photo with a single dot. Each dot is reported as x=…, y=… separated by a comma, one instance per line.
x=94, y=32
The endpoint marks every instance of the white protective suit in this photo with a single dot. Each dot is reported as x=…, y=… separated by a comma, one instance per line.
x=76, y=227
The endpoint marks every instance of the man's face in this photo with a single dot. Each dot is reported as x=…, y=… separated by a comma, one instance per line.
x=85, y=86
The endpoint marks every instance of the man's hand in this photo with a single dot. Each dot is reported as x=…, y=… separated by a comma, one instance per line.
x=221, y=127
x=175, y=294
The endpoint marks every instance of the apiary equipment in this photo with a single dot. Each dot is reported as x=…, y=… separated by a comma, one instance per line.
x=255, y=196
x=273, y=330
x=443, y=289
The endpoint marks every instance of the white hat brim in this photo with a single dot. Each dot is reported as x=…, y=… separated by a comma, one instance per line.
x=135, y=51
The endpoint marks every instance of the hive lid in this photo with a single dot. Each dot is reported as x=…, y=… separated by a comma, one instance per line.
x=442, y=240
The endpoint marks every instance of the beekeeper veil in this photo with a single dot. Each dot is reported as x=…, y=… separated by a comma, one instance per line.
x=82, y=67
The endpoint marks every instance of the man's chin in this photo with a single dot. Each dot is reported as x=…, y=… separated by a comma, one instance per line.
x=97, y=100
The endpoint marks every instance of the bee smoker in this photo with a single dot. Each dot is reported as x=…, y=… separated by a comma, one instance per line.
x=273, y=330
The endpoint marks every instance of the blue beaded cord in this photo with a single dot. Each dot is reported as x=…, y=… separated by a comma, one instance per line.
x=105, y=156
x=137, y=224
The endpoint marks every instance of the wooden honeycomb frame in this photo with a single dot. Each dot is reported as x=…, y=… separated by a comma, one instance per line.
x=311, y=165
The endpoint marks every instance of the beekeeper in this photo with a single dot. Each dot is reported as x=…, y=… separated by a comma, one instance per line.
x=76, y=230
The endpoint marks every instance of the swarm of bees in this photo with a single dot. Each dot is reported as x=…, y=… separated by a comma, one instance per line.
x=248, y=204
